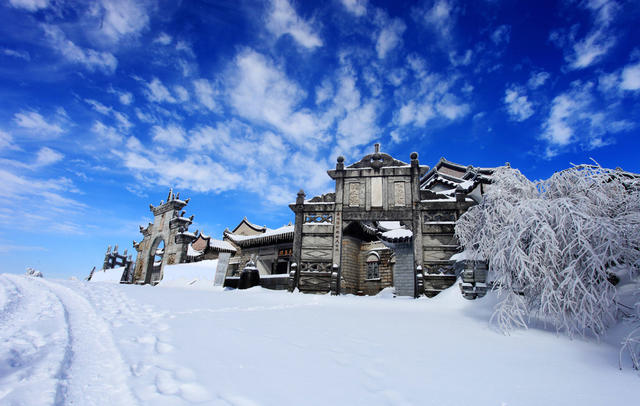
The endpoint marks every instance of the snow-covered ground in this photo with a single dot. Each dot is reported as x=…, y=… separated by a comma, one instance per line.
x=91, y=343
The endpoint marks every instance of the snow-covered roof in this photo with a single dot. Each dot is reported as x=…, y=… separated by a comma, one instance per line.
x=251, y=225
x=191, y=252
x=283, y=233
x=221, y=245
x=108, y=275
x=397, y=235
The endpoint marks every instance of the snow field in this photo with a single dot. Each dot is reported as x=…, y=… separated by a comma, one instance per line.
x=173, y=346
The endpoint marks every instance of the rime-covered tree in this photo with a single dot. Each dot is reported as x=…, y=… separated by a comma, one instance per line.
x=552, y=245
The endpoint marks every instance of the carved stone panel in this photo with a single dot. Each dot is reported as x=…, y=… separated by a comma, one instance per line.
x=354, y=194
x=317, y=254
x=376, y=192
x=399, y=193
x=317, y=241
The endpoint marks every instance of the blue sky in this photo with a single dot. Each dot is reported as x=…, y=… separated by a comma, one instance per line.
x=239, y=104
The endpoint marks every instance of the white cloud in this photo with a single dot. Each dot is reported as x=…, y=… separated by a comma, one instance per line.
x=121, y=17
x=440, y=18
x=6, y=141
x=630, y=77
x=106, y=134
x=91, y=59
x=121, y=118
x=31, y=5
x=599, y=40
x=284, y=20
x=501, y=35
x=451, y=108
x=356, y=7
x=390, y=37
x=99, y=107
x=42, y=204
x=324, y=92
x=518, y=105
x=125, y=98
x=578, y=116
x=427, y=99
x=460, y=60
x=173, y=135
x=157, y=92
x=259, y=91
x=205, y=93
x=181, y=93
x=590, y=49
x=163, y=39
x=358, y=127
x=47, y=156
x=17, y=54
x=185, y=47
x=537, y=79
x=37, y=124
x=417, y=114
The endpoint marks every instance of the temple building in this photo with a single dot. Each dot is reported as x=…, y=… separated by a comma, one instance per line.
x=387, y=223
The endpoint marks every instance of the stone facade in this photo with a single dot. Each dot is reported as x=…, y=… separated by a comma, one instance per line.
x=335, y=234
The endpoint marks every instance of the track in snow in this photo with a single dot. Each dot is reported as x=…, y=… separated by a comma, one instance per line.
x=55, y=349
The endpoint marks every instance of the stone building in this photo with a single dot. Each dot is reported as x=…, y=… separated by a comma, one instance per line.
x=271, y=248
x=388, y=223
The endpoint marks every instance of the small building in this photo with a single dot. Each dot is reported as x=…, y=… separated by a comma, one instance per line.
x=271, y=248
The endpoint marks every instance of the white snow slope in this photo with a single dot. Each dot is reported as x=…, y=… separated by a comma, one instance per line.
x=79, y=343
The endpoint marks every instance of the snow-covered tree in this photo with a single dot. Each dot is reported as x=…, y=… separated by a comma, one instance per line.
x=33, y=272
x=551, y=245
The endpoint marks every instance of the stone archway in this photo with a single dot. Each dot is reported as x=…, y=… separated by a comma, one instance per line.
x=169, y=228
x=153, y=273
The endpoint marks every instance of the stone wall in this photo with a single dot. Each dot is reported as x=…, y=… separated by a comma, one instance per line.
x=350, y=264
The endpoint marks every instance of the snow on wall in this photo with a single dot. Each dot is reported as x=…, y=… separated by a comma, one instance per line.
x=195, y=273
x=108, y=275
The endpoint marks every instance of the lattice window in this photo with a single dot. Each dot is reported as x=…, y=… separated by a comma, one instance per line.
x=373, y=266
x=326, y=218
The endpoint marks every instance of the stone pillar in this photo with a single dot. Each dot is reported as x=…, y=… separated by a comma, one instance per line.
x=337, y=226
x=416, y=216
x=297, y=236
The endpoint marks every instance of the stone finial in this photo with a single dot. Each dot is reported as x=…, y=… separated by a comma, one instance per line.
x=300, y=198
x=340, y=164
x=376, y=148
x=191, y=218
x=413, y=156
x=507, y=164
x=187, y=201
x=109, y=249
x=170, y=196
x=115, y=249
x=125, y=252
x=460, y=194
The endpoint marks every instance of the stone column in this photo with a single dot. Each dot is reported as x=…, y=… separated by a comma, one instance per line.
x=416, y=216
x=297, y=236
x=337, y=227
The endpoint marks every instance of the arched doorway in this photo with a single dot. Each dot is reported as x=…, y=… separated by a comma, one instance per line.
x=156, y=255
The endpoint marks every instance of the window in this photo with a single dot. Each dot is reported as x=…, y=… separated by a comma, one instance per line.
x=373, y=266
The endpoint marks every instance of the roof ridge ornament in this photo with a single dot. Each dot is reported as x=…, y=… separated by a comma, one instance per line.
x=376, y=158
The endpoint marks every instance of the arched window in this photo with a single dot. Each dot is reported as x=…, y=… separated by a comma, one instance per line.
x=373, y=265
